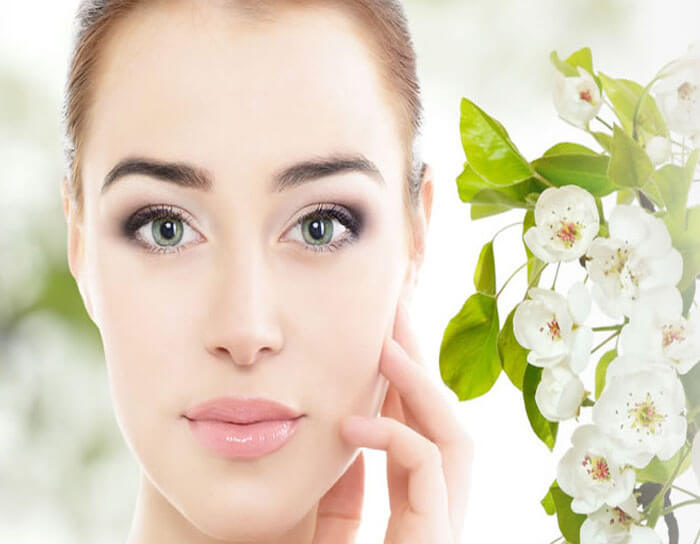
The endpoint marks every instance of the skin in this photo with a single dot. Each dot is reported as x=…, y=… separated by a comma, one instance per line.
x=245, y=308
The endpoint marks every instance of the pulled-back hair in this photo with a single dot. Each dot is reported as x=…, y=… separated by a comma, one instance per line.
x=383, y=20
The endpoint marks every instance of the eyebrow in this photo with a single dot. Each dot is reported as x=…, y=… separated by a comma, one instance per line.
x=190, y=176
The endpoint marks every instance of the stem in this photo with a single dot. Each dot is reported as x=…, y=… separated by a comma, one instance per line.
x=555, y=275
x=638, y=107
x=556, y=540
x=537, y=275
x=613, y=335
x=510, y=278
x=686, y=491
x=645, y=92
x=604, y=122
x=607, y=328
x=697, y=538
x=504, y=228
x=658, y=499
x=544, y=180
x=678, y=505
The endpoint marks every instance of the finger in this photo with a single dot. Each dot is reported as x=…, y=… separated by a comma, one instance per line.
x=426, y=491
x=340, y=509
x=434, y=412
x=397, y=476
x=430, y=408
x=403, y=333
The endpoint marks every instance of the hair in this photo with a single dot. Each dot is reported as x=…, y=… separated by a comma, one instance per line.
x=383, y=20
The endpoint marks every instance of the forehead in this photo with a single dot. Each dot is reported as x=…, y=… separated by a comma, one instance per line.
x=196, y=81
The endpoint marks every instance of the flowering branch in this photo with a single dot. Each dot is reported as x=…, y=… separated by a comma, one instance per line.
x=642, y=262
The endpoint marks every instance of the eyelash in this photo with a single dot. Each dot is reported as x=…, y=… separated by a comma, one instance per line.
x=352, y=221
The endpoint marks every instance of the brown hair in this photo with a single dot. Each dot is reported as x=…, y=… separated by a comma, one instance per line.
x=384, y=20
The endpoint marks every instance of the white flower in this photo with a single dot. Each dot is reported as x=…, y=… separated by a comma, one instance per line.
x=659, y=150
x=678, y=93
x=545, y=323
x=615, y=525
x=641, y=409
x=588, y=473
x=566, y=221
x=657, y=328
x=695, y=456
x=559, y=393
x=637, y=256
x=576, y=98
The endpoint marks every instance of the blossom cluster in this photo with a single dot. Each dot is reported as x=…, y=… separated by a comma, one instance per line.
x=641, y=410
x=634, y=270
x=641, y=257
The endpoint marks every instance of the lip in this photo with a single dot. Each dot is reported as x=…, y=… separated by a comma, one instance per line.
x=242, y=411
x=238, y=428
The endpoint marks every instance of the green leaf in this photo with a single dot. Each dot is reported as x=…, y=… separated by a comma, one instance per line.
x=469, y=361
x=568, y=148
x=688, y=295
x=691, y=386
x=674, y=182
x=673, y=187
x=685, y=237
x=547, y=502
x=475, y=189
x=569, y=521
x=469, y=183
x=513, y=355
x=604, y=139
x=478, y=211
x=624, y=95
x=585, y=170
x=544, y=429
x=489, y=149
x=534, y=264
x=564, y=67
x=661, y=471
x=625, y=196
x=485, y=272
x=630, y=165
x=582, y=58
x=601, y=369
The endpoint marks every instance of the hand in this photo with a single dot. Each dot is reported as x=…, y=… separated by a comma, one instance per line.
x=429, y=455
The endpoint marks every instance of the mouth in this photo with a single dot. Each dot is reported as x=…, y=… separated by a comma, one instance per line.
x=241, y=411
x=241, y=423
x=243, y=440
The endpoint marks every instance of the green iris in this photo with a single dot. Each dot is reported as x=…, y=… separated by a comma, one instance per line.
x=318, y=229
x=168, y=230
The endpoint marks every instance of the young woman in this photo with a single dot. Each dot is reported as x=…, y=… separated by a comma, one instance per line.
x=246, y=213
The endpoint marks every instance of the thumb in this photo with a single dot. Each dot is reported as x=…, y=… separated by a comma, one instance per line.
x=340, y=509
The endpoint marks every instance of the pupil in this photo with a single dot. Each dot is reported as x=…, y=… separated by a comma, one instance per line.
x=167, y=229
x=316, y=229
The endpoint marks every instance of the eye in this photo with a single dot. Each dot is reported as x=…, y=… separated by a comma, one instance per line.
x=318, y=229
x=160, y=229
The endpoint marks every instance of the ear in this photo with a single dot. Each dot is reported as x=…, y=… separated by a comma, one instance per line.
x=75, y=246
x=420, y=228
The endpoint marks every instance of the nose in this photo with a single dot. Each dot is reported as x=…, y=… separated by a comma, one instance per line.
x=242, y=322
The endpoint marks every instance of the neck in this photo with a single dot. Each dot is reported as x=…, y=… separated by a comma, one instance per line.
x=156, y=520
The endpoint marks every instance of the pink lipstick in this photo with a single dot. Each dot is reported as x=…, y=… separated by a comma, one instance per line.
x=240, y=428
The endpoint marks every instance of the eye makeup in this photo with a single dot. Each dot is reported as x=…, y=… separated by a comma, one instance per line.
x=321, y=219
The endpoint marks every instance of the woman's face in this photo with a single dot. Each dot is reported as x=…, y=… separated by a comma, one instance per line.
x=234, y=300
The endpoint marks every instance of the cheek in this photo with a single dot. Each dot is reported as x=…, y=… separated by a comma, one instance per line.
x=142, y=333
x=342, y=327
